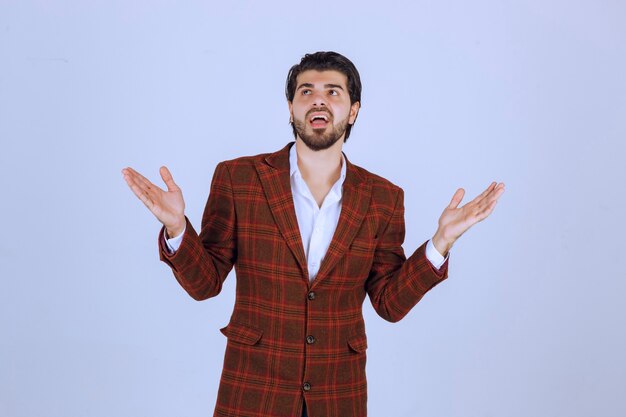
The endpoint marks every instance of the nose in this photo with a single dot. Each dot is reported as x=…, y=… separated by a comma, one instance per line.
x=318, y=98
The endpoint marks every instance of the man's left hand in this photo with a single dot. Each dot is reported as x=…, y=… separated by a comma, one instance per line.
x=455, y=221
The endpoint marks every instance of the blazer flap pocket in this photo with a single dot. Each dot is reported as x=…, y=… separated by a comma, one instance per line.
x=358, y=342
x=242, y=333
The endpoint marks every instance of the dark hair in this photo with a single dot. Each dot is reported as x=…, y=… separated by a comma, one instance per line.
x=322, y=61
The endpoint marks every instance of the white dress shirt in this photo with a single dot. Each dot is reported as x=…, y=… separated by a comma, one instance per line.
x=317, y=224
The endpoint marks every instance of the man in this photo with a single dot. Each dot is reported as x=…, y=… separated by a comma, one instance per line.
x=310, y=234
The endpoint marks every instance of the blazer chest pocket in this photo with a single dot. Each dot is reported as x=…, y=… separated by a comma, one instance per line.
x=358, y=342
x=242, y=333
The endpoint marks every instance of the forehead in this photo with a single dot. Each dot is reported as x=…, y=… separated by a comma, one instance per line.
x=322, y=77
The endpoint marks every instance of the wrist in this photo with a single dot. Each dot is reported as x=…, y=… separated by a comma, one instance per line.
x=442, y=244
x=175, y=230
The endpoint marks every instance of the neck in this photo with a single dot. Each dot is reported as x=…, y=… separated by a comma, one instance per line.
x=319, y=167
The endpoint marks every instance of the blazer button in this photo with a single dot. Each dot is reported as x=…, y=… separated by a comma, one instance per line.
x=310, y=339
x=311, y=295
x=306, y=386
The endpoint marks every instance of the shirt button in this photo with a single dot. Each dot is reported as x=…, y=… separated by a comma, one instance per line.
x=306, y=386
x=310, y=339
x=311, y=295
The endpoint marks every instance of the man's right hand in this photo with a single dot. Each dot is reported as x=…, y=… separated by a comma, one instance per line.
x=168, y=206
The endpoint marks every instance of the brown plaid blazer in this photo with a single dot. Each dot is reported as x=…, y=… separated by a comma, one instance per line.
x=289, y=340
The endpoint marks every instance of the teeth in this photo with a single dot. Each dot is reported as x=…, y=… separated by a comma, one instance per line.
x=319, y=117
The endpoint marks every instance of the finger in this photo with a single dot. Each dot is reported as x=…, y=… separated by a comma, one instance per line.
x=483, y=214
x=134, y=176
x=148, y=188
x=456, y=198
x=131, y=178
x=482, y=195
x=142, y=188
x=495, y=193
x=486, y=197
x=489, y=189
x=141, y=192
x=167, y=178
x=135, y=184
x=498, y=188
x=140, y=179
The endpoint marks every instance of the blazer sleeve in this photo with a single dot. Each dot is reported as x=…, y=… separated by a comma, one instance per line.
x=395, y=284
x=202, y=262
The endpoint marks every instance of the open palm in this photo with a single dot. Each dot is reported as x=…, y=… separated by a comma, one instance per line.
x=455, y=220
x=167, y=206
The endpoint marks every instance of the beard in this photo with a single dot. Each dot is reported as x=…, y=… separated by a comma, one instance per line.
x=320, y=139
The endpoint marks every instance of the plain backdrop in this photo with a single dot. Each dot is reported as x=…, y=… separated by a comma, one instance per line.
x=531, y=321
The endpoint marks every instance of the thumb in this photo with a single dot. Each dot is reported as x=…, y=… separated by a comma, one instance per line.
x=167, y=178
x=456, y=198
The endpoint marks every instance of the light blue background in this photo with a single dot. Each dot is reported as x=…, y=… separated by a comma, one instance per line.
x=531, y=321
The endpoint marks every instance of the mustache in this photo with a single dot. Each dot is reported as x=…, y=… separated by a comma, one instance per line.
x=320, y=110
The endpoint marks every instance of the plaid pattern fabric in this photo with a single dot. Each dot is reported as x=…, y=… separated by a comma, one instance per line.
x=289, y=340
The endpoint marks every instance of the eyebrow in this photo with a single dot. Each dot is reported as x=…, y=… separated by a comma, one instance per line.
x=309, y=85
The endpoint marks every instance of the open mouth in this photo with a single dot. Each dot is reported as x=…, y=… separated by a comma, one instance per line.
x=318, y=121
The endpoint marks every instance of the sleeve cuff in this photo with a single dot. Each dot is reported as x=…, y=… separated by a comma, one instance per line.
x=174, y=243
x=433, y=255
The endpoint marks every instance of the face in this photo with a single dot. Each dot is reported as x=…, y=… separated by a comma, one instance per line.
x=321, y=108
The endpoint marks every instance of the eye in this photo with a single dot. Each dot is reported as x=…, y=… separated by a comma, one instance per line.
x=333, y=92
x=305, y=92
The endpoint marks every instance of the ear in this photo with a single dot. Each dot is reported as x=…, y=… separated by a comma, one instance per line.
x=354, y=112
x=290, y=111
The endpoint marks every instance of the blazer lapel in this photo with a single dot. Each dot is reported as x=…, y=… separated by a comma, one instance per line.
x=274, y=175
x=355, y=201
